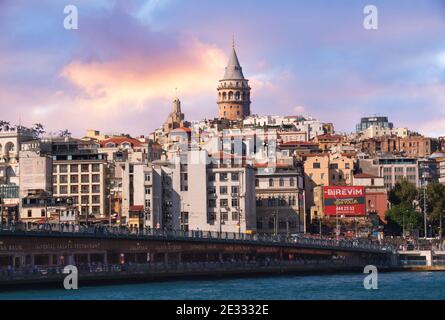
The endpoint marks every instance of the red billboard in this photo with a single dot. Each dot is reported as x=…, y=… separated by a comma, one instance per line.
x=344, y=201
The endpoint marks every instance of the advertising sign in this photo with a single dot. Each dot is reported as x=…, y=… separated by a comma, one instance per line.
x=344, y=201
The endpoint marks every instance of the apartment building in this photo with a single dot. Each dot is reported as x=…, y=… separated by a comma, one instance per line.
x=410, y=146
x=81, y=173
x=392, y=170
x=326, y=169
x=280, y=199
x=326, y=141
x=191, y=195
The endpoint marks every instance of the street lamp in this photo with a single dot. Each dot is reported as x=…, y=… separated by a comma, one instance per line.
x=337, y=221
x=425, y=175
x=403, y=224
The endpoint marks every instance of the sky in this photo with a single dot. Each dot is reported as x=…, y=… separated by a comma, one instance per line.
x=118, y=72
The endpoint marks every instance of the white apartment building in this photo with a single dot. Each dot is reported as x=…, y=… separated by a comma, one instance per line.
x=309, y=125
x=392, y=170
x=193, y=195
x=375, y=131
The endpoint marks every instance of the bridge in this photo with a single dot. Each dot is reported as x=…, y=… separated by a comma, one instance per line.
x=114, y=252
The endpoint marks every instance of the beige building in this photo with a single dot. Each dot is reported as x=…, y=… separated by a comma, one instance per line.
x=35, y=164
x=326, y=170
x=279, y=199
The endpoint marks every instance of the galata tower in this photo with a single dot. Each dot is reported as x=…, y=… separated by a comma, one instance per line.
x=233, y=91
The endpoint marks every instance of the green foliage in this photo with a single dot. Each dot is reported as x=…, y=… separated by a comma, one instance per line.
x=403, y=192
x=403, y=214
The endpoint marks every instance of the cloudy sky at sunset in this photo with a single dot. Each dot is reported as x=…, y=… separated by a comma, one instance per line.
x=118, y=72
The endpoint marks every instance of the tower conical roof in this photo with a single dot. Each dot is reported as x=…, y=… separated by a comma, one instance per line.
x=233, y=69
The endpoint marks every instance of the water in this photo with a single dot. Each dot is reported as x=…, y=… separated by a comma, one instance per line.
x=398, y=285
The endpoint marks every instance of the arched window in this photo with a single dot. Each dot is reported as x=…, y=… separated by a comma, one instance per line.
x=224, y=96
x=281, y=182
x=292, y=182
x=126, y=145
x=237, y=95
x=9, y=147
x=271, y=182
x=230, y=95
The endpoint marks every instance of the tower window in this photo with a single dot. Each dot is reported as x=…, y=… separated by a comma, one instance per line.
x=230, y=95
x=237, y=95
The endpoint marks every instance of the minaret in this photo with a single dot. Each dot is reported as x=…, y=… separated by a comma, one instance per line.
x=233, y=91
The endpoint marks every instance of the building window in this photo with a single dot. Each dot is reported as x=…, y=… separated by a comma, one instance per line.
x=235, y=176
x=223, y=203
x=292, y=182
x=270, y=182
x=316, y=165
x=29, y=213
x=147, y=191
x=235, y=190
x=281, y=182
x=223, y=177
x=212, y=203
x=223, y=190
x=42, y=212
x=257, y=182
x=147, y=177
x=235, y=216
x=95, y=167
x=235, y=203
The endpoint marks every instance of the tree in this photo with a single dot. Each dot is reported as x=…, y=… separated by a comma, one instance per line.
x=403, y=192
x=403, y=214
x=5, y=124
x=435, y=199
x=38, y=130
x=64, y=133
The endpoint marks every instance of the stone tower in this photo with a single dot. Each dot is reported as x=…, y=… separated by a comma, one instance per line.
x=233, y=91
x=176, y=117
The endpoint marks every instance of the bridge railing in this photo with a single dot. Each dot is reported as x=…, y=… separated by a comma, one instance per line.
x=124, y=232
